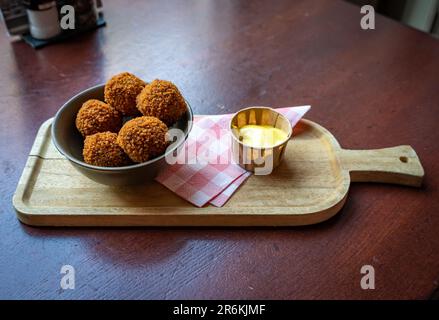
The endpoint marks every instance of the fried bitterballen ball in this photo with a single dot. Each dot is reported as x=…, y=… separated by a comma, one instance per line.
x=143, y=138
x=101, y=149
x=121, y=91
x=96, y=116
x=163, y=100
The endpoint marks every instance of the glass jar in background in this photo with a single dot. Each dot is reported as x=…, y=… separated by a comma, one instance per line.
x=43, y=18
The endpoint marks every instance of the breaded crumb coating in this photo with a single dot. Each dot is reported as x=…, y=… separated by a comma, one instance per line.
x=121, y=91
x=96, y=116
x=101, y=149
x=163, y=100
x=143, y=138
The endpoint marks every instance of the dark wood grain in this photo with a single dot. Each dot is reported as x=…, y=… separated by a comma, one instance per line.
x=372, y=89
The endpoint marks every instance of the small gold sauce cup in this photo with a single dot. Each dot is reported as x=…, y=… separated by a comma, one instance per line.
x=260, y=160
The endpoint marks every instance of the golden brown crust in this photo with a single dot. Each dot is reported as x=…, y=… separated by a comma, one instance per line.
x=121, y=91
x=163, y=100
x=143, y=138
x=96, y=116
x=101, y=149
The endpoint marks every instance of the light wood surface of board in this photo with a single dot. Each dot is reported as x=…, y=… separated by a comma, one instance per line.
x=310, y=186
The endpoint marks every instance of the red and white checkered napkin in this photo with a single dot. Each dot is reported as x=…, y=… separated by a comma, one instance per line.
x=204, y=171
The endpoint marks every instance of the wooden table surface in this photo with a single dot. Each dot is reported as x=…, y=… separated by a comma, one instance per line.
x=372, y=89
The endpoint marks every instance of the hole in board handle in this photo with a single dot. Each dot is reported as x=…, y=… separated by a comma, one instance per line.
x=404, y=159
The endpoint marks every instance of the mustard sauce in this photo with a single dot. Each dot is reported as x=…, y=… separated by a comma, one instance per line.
x=261, y=136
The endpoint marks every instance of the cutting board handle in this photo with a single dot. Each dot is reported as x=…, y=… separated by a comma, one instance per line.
x=399, y=165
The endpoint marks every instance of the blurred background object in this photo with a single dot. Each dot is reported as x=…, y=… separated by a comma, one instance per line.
x=419, y=14
x=43, y=18
x=15, y=16
x=38, y=22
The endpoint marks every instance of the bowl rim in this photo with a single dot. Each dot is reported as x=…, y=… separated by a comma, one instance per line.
x=287, y=139
x=112, y=169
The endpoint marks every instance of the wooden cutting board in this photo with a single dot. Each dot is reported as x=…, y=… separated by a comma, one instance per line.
x=310, y=186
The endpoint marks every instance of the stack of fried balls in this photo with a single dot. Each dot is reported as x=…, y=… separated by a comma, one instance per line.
x=150, y=108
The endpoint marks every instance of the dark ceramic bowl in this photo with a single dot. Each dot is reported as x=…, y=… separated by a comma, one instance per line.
x=70, y=142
